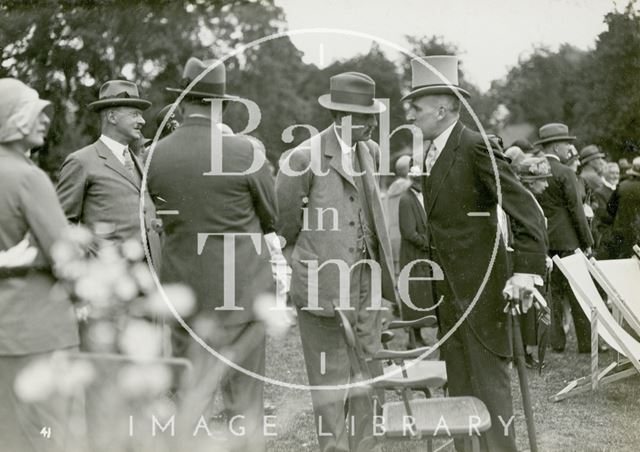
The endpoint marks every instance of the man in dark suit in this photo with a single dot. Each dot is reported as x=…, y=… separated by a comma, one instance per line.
x=333, y=212
x=624, y=207
x=100, y=184
x=200, y=249
x=414, y=245
x=460, y=198
x=568, y=230
x=602, y=219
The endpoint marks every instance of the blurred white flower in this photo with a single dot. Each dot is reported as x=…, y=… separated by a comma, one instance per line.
x=139, y=380
x=141, y=339
x=415, y=171
x=132, y=250
x=93, y=290
x=102, y=335
x=206, y=327
x=161, y=408
x=64, y=252
x=276, y=320
x=108, y=254
x=79, y=235
x=74, y=377
x=142, y=275
x=36, y=382
x=126, y=288
x=181, y=297
x=82, y=312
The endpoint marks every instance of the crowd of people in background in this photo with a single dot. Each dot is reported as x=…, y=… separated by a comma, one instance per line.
x=555, y=199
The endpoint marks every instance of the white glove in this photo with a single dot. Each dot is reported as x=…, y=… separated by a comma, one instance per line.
x=521, y=286
x=19, y=255
x=279, y=268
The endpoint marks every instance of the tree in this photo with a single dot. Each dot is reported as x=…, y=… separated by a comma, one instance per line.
x=608, y=107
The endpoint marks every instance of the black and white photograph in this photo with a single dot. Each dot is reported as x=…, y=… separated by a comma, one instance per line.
x=305, y=225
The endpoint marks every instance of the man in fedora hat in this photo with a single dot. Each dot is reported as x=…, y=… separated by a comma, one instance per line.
x=568, y=229
x=333, y=213
x=100, y=185
x=461, y=202
x=235, y=202
x=592, y=165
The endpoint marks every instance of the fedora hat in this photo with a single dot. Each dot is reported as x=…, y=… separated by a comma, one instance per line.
x=635, y=168
x=425, y=80
x=353, y=92
x=554, y=131
x=589, y=153
x=212, y=85
x=119, y=93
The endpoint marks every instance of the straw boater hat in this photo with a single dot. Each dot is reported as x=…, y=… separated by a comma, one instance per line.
x=533, y=168
x=589, y=153
x=555, y=131
x=424, y=80
x=212, y=85
x=352, y=92
x=119, y=93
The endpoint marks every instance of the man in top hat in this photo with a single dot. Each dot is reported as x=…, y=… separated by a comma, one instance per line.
x=196, y=252
x=568, y=229
x=330, y=210
x=592, y=167
x=460, y=198
x=100, y=185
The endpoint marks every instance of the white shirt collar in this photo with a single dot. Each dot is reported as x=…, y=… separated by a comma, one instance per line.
x=116, y=148
x=607, y=184
x=553, y=156
x=343, y=146
x=441, y=140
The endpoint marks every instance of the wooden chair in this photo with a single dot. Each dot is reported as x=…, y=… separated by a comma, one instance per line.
x=411, y=418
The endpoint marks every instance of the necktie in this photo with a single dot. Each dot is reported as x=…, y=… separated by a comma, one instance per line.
x=130, y=166
x=432, y=155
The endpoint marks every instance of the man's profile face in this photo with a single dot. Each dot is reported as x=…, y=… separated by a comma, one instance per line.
x=598, y=164
x=563, y=150
x=425, y=113
x=362, y=126
x=128, y=121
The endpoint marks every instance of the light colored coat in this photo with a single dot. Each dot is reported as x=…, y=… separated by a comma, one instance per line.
x=94, y=187
x=320, y=193
x=32, y=319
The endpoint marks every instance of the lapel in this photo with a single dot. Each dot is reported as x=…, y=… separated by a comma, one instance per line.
x=113, y=163
x=417, y=206
x=332, y=150
x=441, y=168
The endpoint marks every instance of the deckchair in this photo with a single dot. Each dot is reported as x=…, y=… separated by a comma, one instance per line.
x=620, y=279
x=575, y=268
x=411, y=418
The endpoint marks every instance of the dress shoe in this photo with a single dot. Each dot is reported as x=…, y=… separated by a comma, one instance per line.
x=532, y=363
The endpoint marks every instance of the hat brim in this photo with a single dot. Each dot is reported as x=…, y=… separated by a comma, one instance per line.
x=202, y=94
x=120, y=102
x=435, y=89
x=546, y=176
x=592, y=157
x=377, y=107
x=557, y=138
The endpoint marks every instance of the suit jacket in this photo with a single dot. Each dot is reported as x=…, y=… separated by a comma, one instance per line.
x=567, y=224
x=32, y=319
x=463, y=181
x=318, y=193
x=213, y=204
x=414, y=245
x=94, y=187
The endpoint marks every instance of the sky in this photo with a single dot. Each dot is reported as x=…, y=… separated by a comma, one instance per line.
x=491, y=35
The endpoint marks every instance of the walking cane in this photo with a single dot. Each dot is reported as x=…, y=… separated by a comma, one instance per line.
x=513, y=308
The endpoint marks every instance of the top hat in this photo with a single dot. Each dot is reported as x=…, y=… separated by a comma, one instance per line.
x=352, y=92
x=532, y=168
x=119, y=93
x=555, y=131
x=589, y=153
x=213, y=84
x=434, y=75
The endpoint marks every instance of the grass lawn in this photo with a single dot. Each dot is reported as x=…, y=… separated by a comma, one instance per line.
x=606, y=420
